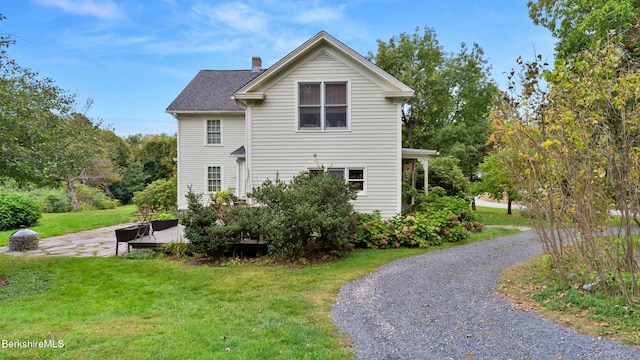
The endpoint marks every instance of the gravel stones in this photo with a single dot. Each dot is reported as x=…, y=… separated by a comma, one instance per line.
x=443, y=305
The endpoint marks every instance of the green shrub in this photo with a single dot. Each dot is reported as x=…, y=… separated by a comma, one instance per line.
x=91, y=198
x=207, y=229
x=308, y=216
x=143, y=254
x=178, y=248
x=160, y=195
x=55, y=201
x=447, y=219
x=17, y=210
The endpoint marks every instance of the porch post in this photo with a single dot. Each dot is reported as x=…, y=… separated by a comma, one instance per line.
x=425, y=166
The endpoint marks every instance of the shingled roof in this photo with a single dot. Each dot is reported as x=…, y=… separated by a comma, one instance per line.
x=211, y=90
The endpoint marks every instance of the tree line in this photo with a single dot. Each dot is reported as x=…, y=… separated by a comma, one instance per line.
x=45, y=140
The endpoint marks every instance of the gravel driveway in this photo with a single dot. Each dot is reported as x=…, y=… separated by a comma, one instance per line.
x=443, y=305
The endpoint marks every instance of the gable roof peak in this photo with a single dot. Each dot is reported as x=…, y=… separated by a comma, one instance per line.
x=394, y=88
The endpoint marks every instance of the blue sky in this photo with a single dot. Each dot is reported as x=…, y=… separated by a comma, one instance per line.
x=132, y=58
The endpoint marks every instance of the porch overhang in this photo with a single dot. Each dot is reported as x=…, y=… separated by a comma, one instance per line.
x=422, y=156
x=418, y=154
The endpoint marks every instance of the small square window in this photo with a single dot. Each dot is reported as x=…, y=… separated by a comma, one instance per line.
x=336, y=172
x=356, y=178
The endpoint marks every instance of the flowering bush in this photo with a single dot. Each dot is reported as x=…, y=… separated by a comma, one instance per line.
x=452, y=222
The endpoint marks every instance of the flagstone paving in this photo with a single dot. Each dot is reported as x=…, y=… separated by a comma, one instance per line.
x=98, y=242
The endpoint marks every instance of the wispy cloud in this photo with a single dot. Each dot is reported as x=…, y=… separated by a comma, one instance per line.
x=106, y=9
x=237, y=16
x=320, y=15
x=90, y=40
x=265, y=26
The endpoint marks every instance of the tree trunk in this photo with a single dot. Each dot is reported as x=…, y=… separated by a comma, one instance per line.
x=473, y=203
x=72, y=194
x=508, y=206
x=409, y=129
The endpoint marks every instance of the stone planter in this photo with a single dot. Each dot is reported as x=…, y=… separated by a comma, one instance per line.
x=159, y=225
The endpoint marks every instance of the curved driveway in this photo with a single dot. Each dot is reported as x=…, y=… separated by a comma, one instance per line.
x=443, y=305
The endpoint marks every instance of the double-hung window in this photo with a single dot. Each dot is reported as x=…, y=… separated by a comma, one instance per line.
x=214, y=132
x=355, y=176
x=214, y=179
x=323, y=105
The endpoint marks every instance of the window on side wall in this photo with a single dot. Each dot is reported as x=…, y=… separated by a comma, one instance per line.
x=214, y=132
x=214, y=179
x=355, y=176
x=323, y=105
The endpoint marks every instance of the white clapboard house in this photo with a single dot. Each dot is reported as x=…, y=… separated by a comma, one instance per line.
x=323, y=106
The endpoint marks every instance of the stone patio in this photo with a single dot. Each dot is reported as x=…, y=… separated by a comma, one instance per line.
x=98, y=242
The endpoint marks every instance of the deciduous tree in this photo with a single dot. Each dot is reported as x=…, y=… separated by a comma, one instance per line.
x=576, y=158
x=587, y=24
x=453, y=95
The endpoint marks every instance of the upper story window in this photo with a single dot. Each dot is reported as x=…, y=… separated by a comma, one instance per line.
x=214, y=132
x=323, y=105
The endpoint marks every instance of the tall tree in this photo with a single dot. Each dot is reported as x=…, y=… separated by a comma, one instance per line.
x=466, y=130
x=84, y=159
x=453, y=95
x=586, y=24
x=418, y=61
x=34, y=115
x=156, y=155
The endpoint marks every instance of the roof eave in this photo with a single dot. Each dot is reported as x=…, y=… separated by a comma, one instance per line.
x=319, y=38
x=250, y=96
x=196, y=112
x=398, y=94
x=408, y=153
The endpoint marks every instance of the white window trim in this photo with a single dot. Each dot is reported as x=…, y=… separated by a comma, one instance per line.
x=206, y=178
x=206, y=134
x=322, y=106
x=346, y=169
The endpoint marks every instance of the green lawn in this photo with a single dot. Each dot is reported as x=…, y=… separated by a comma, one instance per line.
x=119, y=308
x=62, y=223
x=498, y=216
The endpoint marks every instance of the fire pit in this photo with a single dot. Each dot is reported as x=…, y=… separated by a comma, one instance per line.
x=23, y=239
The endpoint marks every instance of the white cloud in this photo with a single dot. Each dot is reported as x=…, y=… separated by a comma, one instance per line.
x=236, y=16
x=320, y=15
x=101, y=9
x=103, y=41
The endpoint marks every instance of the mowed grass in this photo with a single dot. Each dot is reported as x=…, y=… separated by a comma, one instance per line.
x=499, y=216
x=63, y=223
x=119, y=308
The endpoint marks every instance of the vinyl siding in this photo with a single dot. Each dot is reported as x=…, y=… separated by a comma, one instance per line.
x=373, y=141
x=194, y=156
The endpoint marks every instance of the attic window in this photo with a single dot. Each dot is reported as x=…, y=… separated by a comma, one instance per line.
x=323, y=105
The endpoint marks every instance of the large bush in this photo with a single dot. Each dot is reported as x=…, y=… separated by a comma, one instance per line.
x=307, y=216
x=91, y=198
x=161, y=195
x=207, y=229
x=17, y=210
x=447, y=219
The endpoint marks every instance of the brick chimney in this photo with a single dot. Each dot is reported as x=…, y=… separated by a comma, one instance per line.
x=256, y=64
